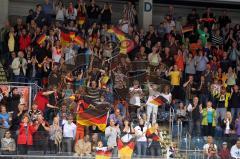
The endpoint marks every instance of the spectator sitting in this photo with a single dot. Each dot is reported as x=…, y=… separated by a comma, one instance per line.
x=83, y=147
x=224, y=153
x=8, y=145
x=235, y=150
x=207, y=145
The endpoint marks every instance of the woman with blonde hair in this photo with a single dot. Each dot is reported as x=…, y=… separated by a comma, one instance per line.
x=227, y=124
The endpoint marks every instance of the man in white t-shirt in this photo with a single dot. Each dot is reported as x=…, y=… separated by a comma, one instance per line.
x=207, y=145
x=235, y=150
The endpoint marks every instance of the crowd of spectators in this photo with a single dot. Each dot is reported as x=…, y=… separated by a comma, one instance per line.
x=201, y=64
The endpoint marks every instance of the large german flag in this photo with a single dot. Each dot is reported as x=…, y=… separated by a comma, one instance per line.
x=125, y=150
x=103, y=155
x=94, y=115
x=160, y=100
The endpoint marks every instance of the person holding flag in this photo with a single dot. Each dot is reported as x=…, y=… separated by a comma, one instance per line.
x=112, y=132
x=152, y=108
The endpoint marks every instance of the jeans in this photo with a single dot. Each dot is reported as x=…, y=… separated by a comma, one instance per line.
x=220, y=112
x=235, y=112
x=115, y=152
x=204, y=98
x=141, y=148
x=67, y=144
x=23, y=149
x=195, y=127
x=152, y=110
x=155, y=149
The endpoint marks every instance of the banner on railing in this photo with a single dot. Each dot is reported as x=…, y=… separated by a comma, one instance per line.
x=23, y=91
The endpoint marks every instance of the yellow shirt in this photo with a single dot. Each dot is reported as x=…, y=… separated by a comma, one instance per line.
x=175, y=78
x=11, y=42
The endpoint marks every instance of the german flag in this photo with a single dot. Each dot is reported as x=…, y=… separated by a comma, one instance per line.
x=127, y=46
x=151, y=134
x=119, y=34
x=81, y=20
x=125, y=150
x=160, y=100
x=186, y=29
x=41, y=39
x=72, y=35
x=208, y=20
x=103, y=155
x=78, y=40
x=65, y=37
x=94, y=115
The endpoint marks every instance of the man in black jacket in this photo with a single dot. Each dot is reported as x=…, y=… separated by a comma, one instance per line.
x=234, y=102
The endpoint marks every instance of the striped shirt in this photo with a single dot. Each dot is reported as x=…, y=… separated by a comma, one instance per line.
x=217, y=40
x=130, y=14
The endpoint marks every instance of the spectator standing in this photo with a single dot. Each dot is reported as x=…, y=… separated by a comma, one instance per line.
x=234, y=102
x=195, y=109
x=153, y=134
x=24, y=40
x=47, y=9
x=112, y=132
x=135, y=94
x=40, y=137
x=208, y=120
x=152, y=110
x=69, y=133
x=71, y=12
x=131, y=13
x=39, y=16
x=60, y=11
x=55, y=136
x=175, y=76
x=93, y=11
x=193, y=17
x=19, y=66
x=227, y=124
x=106, y=14
x=25, y=136
x=17, y=118
x=141, y=140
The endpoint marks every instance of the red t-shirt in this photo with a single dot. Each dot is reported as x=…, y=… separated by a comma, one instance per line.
x=41, y=101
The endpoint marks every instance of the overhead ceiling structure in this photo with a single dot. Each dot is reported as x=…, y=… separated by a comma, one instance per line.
x=231, y=4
